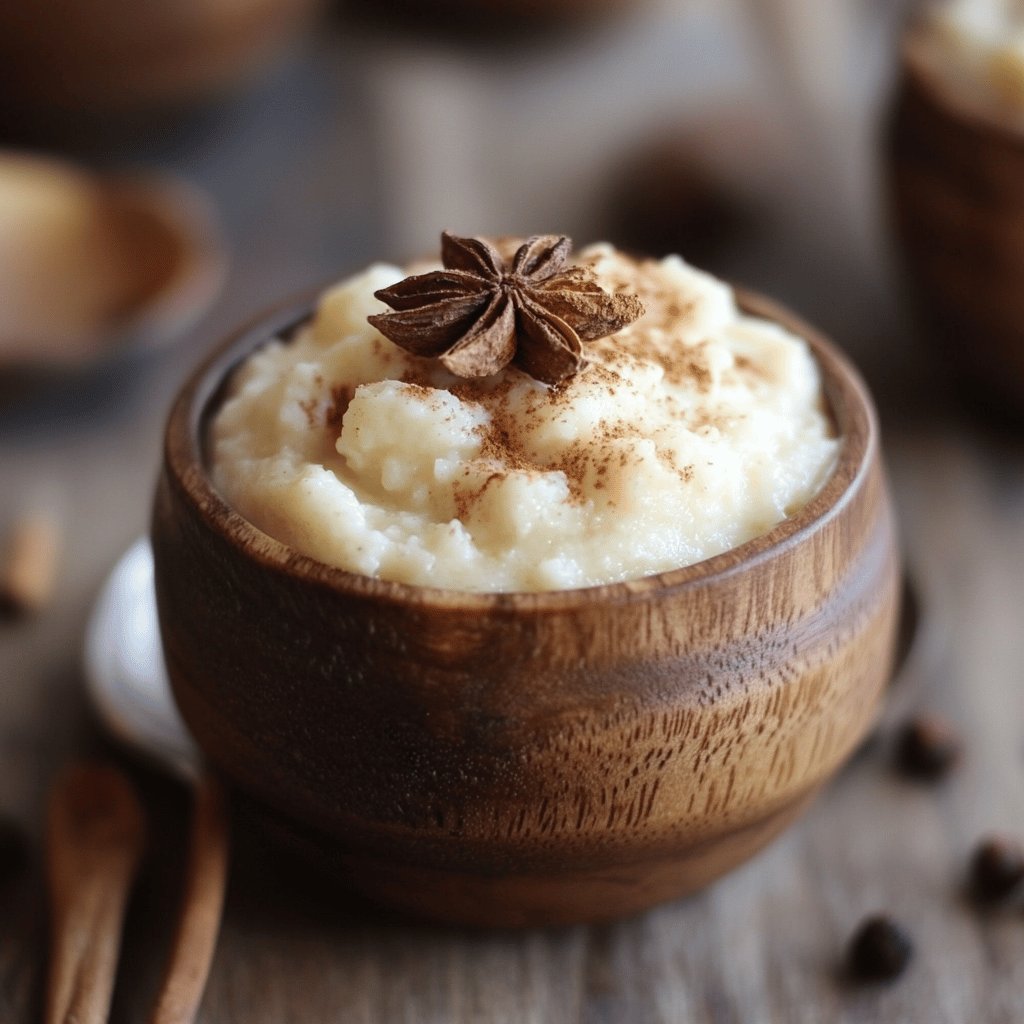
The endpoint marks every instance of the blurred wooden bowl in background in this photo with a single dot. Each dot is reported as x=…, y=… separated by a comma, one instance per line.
x=89, y=263
x=129, y=55
x=956, y=183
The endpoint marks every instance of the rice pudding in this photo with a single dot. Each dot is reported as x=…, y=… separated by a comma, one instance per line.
x=688, y=432
x=973, y=50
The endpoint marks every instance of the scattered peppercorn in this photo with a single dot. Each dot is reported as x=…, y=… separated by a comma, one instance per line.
x=879, y=950
x=997, y=868
x=14, y=849
x=927, y=748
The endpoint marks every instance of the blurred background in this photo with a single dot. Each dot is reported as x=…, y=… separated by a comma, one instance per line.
x=738, y=132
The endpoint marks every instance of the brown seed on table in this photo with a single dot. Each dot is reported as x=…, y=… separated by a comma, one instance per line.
x=997, y=868
x=29, y=568
x=928, y=747
x=879, y=950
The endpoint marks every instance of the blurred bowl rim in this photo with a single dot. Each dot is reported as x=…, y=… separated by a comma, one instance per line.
x=189, y=213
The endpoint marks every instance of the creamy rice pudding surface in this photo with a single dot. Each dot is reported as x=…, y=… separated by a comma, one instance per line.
x=689, y=432
x=974, y=50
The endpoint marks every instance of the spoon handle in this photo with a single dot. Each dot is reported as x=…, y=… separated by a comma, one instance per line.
x=95, y=839
x=199, y=920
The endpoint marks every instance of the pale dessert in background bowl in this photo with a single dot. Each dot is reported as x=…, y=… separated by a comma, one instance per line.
x=973, y=51
x=94, y=263
x=956, y=168
x=547, y=609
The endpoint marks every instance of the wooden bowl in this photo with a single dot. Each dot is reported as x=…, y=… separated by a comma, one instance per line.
x=134, y=259
x=132, y=55
x=956, y=182
x=530, y=759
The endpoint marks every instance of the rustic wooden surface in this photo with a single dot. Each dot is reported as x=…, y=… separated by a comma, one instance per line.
x=763, y=945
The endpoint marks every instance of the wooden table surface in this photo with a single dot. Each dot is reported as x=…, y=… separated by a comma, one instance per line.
x=763, y=945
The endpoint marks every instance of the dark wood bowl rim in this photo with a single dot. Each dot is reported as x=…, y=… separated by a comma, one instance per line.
x=990, y=127
x=846, y=396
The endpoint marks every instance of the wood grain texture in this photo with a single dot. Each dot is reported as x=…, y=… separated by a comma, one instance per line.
x=513, y=759
x=199, y=916
x=95, y=838
x=957, y=202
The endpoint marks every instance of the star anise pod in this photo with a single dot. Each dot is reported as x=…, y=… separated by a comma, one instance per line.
x=481, y=313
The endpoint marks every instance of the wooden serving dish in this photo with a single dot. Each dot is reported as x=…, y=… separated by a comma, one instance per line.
x=135, y=55
x=956, y=182
x=528, y=759
x=134, y=259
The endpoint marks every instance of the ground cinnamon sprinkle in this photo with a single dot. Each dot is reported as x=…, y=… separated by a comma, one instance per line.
x=310, y=407
x=504, y=440
x=341, y=396
x=750, y=369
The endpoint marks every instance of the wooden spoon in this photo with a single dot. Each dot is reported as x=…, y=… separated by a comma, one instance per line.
x=95, y=838
x=199, y=922
x=129, y=691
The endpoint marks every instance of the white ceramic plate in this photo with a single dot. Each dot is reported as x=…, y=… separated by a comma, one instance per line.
x=124, y=666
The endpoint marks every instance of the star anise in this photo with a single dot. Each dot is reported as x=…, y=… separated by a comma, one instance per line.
x=481, y=313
